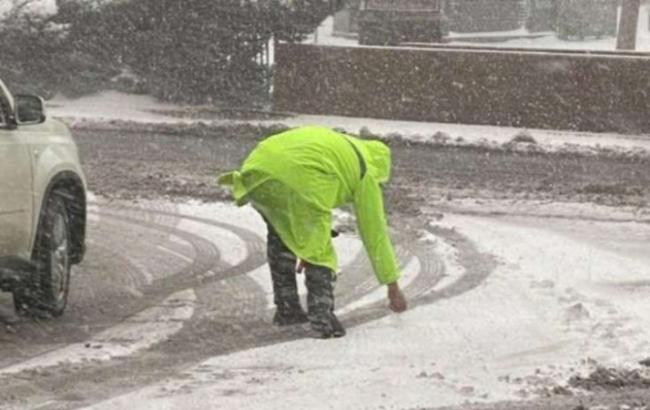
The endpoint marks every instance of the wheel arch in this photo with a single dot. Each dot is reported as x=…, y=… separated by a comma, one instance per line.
x=72, y=189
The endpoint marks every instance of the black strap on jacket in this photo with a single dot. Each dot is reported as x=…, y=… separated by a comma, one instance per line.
x=362, y=162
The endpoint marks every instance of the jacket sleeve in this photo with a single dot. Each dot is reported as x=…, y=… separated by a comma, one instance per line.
x=371, y=221
x=235, y=180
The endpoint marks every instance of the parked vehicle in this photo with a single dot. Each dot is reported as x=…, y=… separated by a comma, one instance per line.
x=391, y=22
x=42, y=206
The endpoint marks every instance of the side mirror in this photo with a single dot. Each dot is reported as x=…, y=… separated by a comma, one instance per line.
x=30, y=109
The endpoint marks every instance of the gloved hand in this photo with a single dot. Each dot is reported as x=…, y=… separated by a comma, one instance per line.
x=397, y=301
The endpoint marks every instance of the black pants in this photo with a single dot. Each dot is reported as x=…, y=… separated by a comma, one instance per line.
x=318, y=279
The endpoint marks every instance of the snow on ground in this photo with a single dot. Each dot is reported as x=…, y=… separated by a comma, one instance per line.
x=543, y=209
x=347, y=247
x=113, y=105
x=138, y=333
x=472, y=134
x=110, y=105
x=558, y=301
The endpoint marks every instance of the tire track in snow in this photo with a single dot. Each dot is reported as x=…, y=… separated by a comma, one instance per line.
x=142, y=331
x=144, y=295
x=245, y=321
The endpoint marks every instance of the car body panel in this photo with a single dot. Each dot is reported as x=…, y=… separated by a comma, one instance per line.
x=34, y=159
x=53, y=152
x=16, y=199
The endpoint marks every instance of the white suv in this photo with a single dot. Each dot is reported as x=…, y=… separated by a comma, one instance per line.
x=42, y=206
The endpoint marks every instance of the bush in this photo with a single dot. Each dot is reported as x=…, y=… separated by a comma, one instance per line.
x=192, y=51
x=37, y=58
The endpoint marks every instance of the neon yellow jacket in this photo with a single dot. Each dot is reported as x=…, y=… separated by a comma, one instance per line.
x=297, y=177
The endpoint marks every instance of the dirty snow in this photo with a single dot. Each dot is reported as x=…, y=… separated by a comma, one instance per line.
x=110, y=105
x=475, y=134
x=113, y=105
x=553, y=306
x=135, y=334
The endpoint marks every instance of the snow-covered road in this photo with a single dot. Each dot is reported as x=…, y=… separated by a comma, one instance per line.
x=564, y=293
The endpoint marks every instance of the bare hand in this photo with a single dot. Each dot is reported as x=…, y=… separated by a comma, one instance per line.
x=300, y=267
x=397, y=301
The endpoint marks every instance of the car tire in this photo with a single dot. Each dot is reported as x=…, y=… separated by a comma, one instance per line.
x=44, y=293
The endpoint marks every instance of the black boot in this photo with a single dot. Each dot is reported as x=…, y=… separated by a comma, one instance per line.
x=328, y=329
x=287, y=315
x=320, y=300
x=337, y=328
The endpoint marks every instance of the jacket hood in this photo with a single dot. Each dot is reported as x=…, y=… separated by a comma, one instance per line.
x=379, y=160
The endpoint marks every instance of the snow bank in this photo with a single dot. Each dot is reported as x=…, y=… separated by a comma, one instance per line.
x=113, y=109
x=110, y=105
x=483, y=135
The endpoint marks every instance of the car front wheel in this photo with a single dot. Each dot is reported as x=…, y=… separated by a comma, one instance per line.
x=45, y=290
